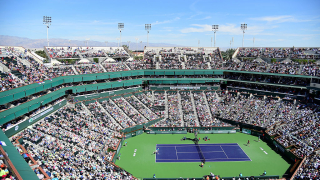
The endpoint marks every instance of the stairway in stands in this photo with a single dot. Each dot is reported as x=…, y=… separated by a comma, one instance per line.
x=207, y=104
x=240, y=67
x=194, y=110
x=183, y=65
x=273, y=113
x=86, y=109
x=108, y=114
x=166, y=103
x=180, y=107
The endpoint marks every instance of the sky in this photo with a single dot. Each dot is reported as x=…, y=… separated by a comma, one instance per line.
x=271, y=23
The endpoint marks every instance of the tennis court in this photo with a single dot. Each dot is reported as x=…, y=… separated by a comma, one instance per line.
x=192, y=152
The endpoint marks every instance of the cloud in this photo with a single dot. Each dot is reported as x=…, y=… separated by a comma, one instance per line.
x=166, y=21
x=279, y=19
x=207, y=17
x=232, y=29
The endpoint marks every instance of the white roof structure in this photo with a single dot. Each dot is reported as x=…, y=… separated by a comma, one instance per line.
x=110, y=60
x=259, y=60
x=84, y=61
x=130, y=59
x=54, y=61
x=236, y=60
x=287, y=60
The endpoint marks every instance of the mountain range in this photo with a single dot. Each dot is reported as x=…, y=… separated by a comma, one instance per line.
x=40, y=43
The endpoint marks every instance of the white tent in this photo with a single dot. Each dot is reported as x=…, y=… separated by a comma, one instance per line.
x=236, y=60
x=287, y=60
x=55, y=62
x=110, y=60
x=130, y=59
x=84, y=61
x=258, y=60
x=318, y=62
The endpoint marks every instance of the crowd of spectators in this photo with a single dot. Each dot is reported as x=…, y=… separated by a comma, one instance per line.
x=284, y=68
x=21, y=74
x=117, y=114
x=202, y=110
x=189, y=115
x=6, y=171
x=145, y=111
x=113, y=67
x=76, y=148
x=64, y=52
x=255, y=66
x=196, y=61
x=89, y=69
x=130, y=111
x=90, y=134
x=170, y=61
x=174, y=109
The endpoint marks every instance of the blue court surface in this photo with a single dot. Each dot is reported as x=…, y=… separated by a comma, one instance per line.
x=190, y=153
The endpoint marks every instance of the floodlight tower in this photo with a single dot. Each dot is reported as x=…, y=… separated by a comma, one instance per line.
x=137, y=42
x=128, y=44
x=211, y=41
x=232, y=42
x=120, y=27
x=148, y=28
x=215, y=29
x=141, y=44
x=118, y=42
x=198, y=43
x=106, y=43
x=87, y=40
x=47, y=22
x=243, y=28
x=69, y=42
x=253, y=41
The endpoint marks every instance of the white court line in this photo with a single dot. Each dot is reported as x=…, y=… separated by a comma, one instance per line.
x=195, y=161
x=224, y=153
x=155, y=157
x=176, y=152
x=244, y=152
x=194, y=145
x=202, y=151
x=206, y=159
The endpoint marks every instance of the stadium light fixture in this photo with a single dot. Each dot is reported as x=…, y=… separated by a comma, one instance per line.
x=47, y=22
x=120, y=27
x=253, y=41
x=215, y=29
x=232, y=42
x=243, y=28
x=87, y=40
x=141, y=44
x=137, y=42
x=148, y=28
x=128, y=44
x=118, y=42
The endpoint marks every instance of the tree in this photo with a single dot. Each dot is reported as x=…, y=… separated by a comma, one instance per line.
x=227, y=55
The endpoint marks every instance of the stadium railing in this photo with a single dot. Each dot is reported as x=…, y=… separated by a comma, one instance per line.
x=9, y=164
x=225, y=178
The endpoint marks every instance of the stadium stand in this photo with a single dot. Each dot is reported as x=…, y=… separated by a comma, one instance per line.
x=94, y=127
